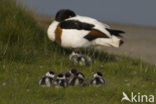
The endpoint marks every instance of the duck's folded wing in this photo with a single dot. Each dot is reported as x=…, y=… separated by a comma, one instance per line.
x=74, y=24
x=94, y=34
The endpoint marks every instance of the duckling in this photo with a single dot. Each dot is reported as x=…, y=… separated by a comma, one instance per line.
x=78, y=79
x=97, y=79
x=47, y=80
x=80, y=59
x=60, y=81
x=82, y=79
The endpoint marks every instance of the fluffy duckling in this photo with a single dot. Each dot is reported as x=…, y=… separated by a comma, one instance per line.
x=97, y=79
x=47, y=80
x=60, y=81
x=78, y=78
x=80, y=59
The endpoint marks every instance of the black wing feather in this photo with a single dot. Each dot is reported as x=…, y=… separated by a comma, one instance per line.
x=74, y=24
x=115, y=32
x=90, y=37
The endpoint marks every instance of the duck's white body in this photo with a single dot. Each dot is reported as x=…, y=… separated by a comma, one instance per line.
x=70, y=38
x=73, y=38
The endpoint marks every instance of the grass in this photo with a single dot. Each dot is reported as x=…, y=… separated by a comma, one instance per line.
x=26, y=54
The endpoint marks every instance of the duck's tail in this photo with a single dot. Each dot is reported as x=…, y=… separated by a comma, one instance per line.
x=109, y=42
